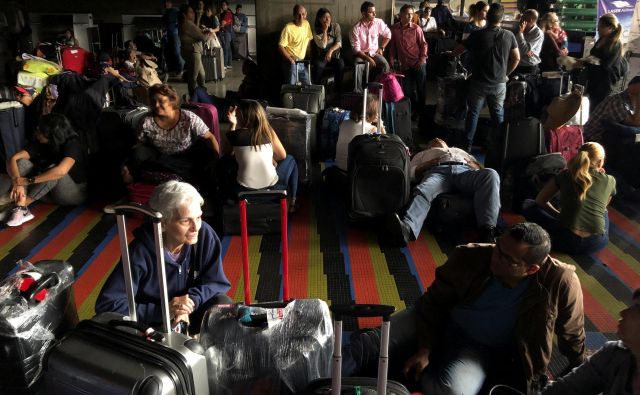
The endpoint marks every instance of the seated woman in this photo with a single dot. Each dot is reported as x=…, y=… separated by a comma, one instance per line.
x=612, y=370
x=171, y=142
x=54, y=165
x=193, y=258
x=328, y=42
x=353, y=127
x=262, y=160
x=582, y=223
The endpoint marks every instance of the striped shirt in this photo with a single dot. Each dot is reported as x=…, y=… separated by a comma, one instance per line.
x=615, y=108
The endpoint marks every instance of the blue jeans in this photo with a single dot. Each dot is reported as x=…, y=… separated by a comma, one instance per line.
x=226, y=37
x=174, y=60
x=563, y=239
x=483, y=184
x=290, y=73
x=477, y=93
x=287, y=170
x=414, y=85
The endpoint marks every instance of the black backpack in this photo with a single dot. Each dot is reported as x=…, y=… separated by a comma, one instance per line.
x=378, y=171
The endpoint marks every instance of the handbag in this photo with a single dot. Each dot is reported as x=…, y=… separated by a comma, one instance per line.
x=391, y=89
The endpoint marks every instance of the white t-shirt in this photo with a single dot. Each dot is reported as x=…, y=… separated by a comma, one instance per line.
x=428, y=26
x=255, y=164
x=450, y=154
x=348, y=130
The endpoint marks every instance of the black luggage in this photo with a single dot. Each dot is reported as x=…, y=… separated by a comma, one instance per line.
x=12, y=124
x=269, y=348
x=451, y=105
x=623, y=152
x=513, y=141
x=552, y=84
x=309, y=98
x=356, y=385
x=294, y=128
x=36, y=308
x=515, y=104
x=111, y=354
x=240, y=46
x=397, y=119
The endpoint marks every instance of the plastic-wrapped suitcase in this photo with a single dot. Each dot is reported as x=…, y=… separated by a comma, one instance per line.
x=451, y=106
x=294, y=129
x=12, y=123
x=36, y=308
x=270, y=348
x=113, y=354
x=74, y=59
x=365, y=385
x=309, y=98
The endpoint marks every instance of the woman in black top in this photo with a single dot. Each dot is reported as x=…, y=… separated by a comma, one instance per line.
x=328, y=42
x=53, y=165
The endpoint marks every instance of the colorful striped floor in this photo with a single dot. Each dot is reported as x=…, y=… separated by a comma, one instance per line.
x=329, y=259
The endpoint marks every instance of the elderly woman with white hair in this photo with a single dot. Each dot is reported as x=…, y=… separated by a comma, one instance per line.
x=193, y=257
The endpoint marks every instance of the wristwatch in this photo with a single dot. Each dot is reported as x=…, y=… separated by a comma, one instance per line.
x=31, y=180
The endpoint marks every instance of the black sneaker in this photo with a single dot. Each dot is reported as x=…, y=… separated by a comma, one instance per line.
x=399, y=231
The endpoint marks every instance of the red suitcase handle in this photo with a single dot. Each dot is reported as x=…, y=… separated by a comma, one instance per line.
x=262, y=195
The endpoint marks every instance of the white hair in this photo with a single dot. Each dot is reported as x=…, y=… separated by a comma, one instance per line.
x=167, y=198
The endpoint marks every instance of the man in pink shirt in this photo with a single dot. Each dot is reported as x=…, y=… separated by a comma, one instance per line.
x=364, y=38
x=409, y=50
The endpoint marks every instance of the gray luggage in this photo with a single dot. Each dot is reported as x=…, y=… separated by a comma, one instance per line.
x=295, y=131
x=309, y=98
x=213, y=63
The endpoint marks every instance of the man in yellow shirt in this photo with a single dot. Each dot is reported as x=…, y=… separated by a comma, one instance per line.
x=293, y=44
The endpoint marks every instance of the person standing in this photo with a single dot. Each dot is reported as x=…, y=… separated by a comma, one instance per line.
x=170, y=17
x=529, y=38
x=293, y=44
x=364, y=39
x=409, y=50
x=191, y=38
x=226, y=33
x=494, y=55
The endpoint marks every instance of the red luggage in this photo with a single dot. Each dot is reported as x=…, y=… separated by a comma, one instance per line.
x=566, y=140
x=74, y=59
x=209, y=115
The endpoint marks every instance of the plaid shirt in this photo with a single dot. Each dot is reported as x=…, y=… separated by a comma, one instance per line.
x=614, y=108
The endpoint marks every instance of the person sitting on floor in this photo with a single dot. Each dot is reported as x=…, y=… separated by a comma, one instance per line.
x=54, y=165
x=440, y=169
x=622, y=108
x=489, y=317
x=612, y=370
x=262, y=160
x=170, y=143
x=193, y=260
x=582, y=223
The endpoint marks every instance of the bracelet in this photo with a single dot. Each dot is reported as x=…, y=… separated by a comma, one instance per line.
x=31, y=180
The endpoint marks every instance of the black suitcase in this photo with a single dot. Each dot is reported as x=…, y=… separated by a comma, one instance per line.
x=295, y=130
x=623, y=153
x=12, y=124
x=309, y=98
x=513, y=141
x=111, y=354
x=451, y=105
x=515, y=103
x=356, y=385
x=262, y=218
x=240, y=46
x=397, y=119
x=36, y=308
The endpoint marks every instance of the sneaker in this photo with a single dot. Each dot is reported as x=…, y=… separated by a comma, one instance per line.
x=399, y=231
x=19, y=215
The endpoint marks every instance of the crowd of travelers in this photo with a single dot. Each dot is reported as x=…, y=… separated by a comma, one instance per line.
x=491, y=314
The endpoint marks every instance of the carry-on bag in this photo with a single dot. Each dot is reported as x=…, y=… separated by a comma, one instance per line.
x=451, y=105
x=269, y=348
x=213, y=64
x=513, y=141
x=309, y=98
x=294, y=128
x=113, y=354
x=397, y=119
x=515, y=103
x=623, y=151
x=12, y=124
x=356, y=385
x=36, y=308
x=566, y=140
x=74, y=59
x=351, y=101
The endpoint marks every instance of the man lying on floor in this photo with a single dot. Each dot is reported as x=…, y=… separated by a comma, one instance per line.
x=441, y=169
x=488, y=318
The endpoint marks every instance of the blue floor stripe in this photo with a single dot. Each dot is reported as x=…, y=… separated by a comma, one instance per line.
x=107, y=239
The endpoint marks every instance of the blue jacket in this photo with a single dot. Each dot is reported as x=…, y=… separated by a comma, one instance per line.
x=209, y=277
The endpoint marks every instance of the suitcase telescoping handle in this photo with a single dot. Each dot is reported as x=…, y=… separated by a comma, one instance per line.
x=361, y=310
x=156, y=217
x=308, y=63
x=372, y=85
x=246, y=198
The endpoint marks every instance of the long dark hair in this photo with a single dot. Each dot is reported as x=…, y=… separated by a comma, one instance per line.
x=57, y=129
x=318, y=25
x=256, y=121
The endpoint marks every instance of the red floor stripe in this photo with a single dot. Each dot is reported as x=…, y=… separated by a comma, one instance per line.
x=620, y=268
x=423, y=261
x=299, y=229
x=364, y=278
x=67, y=235
x=102, y=265
x=627, y=225
x=597, y=314
x=232, y=264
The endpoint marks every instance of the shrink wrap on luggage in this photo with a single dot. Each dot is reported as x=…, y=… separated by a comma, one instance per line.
x=267, y=350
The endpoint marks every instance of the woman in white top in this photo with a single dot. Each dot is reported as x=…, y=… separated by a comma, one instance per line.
x=262, y=160
x=353, y=127
x=427, y=22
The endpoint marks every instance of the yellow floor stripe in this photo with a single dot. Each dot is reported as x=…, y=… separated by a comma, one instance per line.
x=254, y=262
x=599, y=292
x=385, y=282
x=628, y=259
x=317, y=279
x=24, y=233
x=438, y=256
x=68, y=250
x=87, y=309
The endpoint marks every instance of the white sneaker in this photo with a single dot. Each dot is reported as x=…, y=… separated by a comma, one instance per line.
x=19, y=215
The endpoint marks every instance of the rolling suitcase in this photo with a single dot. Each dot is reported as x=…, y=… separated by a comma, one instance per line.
x=12, y=124
x=213, y=63
x=111, y=354
x=378, y=172
x=515, y=104
x=451, y=105
x=397, y=119
x=36, y=308
x=513, y=141
x=356, y=385
x=270, y=348
x=240, y=46
x=74, y=59
x=309, y=98
x=294, y=129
